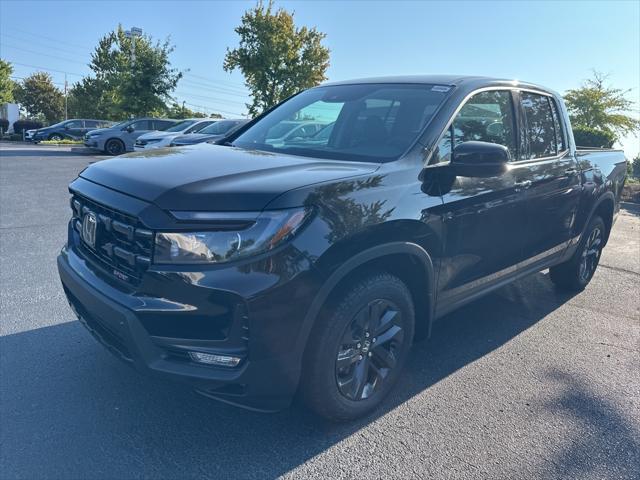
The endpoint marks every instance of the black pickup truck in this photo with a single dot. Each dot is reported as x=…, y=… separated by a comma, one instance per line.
x=254, y=270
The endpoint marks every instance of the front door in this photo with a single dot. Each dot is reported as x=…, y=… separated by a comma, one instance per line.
x=549, y=175
x=484, y=218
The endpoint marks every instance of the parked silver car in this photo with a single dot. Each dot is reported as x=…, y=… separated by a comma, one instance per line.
x=152, y=140
x=121, y=137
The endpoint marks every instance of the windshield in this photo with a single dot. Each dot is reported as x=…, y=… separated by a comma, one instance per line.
x=120, y=124
x=219, y=128
x=370, y=122
x=59, y=124
x=198, y=126
x=179, y=127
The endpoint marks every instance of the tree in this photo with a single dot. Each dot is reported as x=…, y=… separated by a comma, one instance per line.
x=180, y=111
x=123, y=86
x=39, y=96
x=276, y=58
x=600, y=107
x=592, y=137
x=7, y=86
x=86, y=100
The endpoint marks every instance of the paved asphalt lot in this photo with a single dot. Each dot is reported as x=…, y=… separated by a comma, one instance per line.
x=525, y=383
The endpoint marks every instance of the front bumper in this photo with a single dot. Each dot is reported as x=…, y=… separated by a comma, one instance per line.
x=154, y=333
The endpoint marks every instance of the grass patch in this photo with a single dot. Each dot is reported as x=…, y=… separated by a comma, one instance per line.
x=64, y=141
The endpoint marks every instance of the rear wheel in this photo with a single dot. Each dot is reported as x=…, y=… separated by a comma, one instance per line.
x=576, y=273
x=356, y=352
x=114, y=147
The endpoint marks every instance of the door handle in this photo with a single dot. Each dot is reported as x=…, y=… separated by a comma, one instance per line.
x=522, y=185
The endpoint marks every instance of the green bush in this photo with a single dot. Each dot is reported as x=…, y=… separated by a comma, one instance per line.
x=21, y=125
x=592, y=137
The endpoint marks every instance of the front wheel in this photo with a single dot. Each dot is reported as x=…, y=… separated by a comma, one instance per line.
x=356, y=352
x=56, y=137
x=576, y=273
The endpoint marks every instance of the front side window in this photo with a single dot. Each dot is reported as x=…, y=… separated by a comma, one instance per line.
x=540, y=126
x=140, y=125
x=368, y=122
x=486, y=117
x=74, y=124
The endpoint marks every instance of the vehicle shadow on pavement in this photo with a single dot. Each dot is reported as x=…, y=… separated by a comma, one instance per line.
x=71, y=411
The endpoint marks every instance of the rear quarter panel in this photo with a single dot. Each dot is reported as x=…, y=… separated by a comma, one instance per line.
x=603, y=176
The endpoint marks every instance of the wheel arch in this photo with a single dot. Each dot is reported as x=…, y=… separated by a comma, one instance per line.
x=605, y=208
x=408, y=261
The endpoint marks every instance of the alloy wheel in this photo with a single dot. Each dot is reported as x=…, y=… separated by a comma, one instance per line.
x=590, y=255
x=369, y=350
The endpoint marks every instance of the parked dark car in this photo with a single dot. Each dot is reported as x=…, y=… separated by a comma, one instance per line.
x=120, y=138
x=252, y=271
x=73, y=129
x=213, y=132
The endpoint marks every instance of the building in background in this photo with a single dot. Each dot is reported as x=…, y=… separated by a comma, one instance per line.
x=10, y=111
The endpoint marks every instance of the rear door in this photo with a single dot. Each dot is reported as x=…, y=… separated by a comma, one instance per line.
x=74, y=129
x=91, y=125
x=484, y=217
x=548, y=174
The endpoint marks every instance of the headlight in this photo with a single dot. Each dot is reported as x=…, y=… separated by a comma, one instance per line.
x=268, y=231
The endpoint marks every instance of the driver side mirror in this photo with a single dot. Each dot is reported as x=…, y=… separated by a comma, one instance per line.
x=480, y=159
x=129, y=128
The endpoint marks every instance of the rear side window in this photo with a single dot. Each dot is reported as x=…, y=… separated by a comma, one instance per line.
x=540, y=126
x=91, y=124
x=486, y=117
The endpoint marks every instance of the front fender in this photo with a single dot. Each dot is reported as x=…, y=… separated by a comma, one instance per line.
x=394, y=248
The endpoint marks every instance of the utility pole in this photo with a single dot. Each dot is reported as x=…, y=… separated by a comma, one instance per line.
x=66, y=116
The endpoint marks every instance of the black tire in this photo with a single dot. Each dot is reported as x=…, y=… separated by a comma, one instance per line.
x=56, y=137
x=114, y=146
x=576, y=273
x=366, y=335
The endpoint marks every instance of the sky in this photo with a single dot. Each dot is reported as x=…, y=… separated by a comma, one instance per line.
x=555, y=44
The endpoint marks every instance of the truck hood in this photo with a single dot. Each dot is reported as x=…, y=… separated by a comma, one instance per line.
x=207, y=177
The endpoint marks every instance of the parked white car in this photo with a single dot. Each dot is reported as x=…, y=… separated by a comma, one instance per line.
x=159, y=139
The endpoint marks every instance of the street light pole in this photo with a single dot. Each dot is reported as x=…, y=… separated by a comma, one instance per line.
x=132, y=34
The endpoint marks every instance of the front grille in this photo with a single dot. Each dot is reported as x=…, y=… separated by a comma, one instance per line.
x=123, y=247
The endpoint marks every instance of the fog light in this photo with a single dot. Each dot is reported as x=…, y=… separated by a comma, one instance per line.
x=212, y=359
